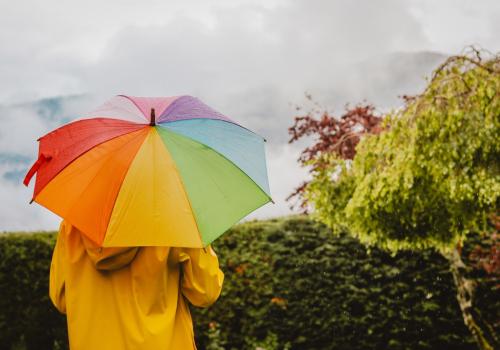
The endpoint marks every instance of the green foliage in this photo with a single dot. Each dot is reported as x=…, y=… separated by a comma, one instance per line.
x=288, y=285
x=26, y=314
x=330, y=191
x=432, y=176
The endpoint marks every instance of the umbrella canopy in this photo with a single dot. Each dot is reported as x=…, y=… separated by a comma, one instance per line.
x=141, y=171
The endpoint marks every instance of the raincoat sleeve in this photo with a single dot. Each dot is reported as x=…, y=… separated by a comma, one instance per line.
x=58, y=271
x=201, y=281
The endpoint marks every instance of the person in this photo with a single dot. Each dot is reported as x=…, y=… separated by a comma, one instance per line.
x=130, y=297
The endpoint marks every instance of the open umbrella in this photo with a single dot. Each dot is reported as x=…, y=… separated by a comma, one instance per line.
x=139, y=171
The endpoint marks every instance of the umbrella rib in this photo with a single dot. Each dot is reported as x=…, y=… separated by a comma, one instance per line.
x=135, y=104
x=183, y=188
x=218, y=153
x=223, y=156
x=97, y=173
x=80, y=154
x=221, y=120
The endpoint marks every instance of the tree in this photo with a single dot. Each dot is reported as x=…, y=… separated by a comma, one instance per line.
x=429, y=176
x=335, y=136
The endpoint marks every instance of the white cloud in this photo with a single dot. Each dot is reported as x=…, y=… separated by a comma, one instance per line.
x=249, y=59
x=452, y=24
x=16, y=214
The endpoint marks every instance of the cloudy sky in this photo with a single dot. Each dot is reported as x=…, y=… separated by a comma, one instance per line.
x=251, y=60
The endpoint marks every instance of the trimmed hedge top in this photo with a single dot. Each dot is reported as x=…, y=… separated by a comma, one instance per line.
x=290, y=284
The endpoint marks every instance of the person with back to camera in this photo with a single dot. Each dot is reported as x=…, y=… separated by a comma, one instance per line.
x=130, y=297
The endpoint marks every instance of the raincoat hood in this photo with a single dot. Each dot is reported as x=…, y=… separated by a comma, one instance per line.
x=109, y=259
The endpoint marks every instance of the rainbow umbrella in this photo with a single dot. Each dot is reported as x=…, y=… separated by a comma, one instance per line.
x=162, y=171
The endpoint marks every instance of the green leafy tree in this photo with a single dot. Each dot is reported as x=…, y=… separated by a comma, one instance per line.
x=429, y=179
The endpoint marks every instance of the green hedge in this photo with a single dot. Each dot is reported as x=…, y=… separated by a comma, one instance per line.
x=289, y=285
x=26, y=313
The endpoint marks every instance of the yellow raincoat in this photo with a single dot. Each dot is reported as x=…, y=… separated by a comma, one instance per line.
x=130, y=298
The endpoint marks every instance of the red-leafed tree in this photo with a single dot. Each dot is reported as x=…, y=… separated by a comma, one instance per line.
x=332, y=134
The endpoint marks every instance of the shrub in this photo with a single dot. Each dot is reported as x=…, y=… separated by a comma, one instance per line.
x=290, y=284
x=26, y=313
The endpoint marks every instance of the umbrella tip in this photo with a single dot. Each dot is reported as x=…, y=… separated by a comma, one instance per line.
x=153, y=121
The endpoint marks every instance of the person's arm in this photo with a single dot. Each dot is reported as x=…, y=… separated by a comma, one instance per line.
x=202, y=279
x=57, y=271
